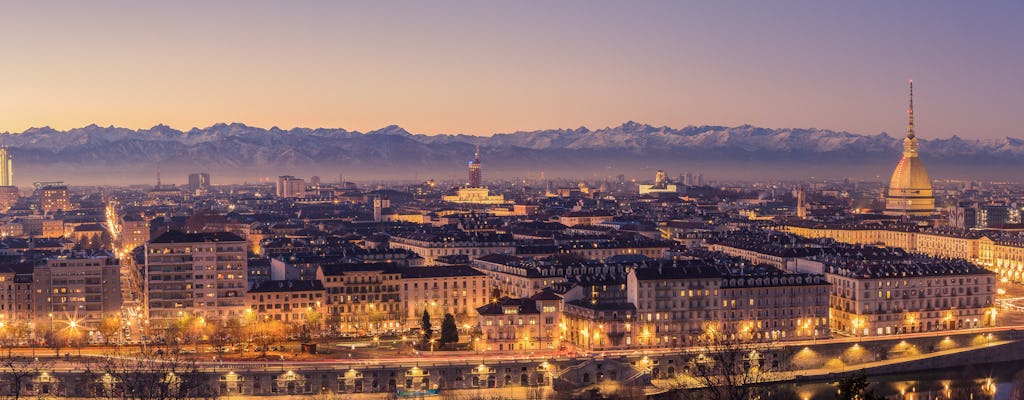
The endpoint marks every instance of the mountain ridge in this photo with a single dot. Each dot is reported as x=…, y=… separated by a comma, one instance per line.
x=236, y=149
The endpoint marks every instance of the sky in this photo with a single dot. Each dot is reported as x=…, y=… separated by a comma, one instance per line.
x=483, y=67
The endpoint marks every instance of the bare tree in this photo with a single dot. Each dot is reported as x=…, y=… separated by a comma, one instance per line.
x=16, y=373
x=731, y=364
x=146, y=376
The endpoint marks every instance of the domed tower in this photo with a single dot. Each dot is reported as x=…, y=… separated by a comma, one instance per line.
x=910, y=189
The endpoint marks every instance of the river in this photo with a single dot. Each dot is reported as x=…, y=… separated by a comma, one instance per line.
x=1003, y=381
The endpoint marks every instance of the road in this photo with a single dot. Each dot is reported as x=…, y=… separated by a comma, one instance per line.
x=458, y=357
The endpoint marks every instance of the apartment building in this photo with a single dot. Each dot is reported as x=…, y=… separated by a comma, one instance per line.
x=202, y=274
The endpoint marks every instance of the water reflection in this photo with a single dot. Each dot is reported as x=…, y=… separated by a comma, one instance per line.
x=989, y=382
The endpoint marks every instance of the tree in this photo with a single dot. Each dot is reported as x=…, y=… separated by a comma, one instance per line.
x=13, y=333
x=144, y=376
x=449, y=331
x=17, y=372
x=266, y=332
x=55, y=340
x=854, y=387
x=729, y=366
x=310, y=327
x=425, y=328
x=223, y=334
x=110, y=326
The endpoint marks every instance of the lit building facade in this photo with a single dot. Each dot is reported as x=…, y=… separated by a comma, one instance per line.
x=201, y=274
x=290, y=187
x=456, y=290
x=53, y=197
x=290, y=301
x=80, y=288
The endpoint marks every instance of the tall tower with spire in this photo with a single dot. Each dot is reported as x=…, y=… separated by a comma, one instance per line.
x=910, y=189
x=476, y=173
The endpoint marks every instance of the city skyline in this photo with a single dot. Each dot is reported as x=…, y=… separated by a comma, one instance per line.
x=484, y=69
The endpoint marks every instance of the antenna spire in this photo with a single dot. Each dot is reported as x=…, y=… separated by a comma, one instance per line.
x=910, y=113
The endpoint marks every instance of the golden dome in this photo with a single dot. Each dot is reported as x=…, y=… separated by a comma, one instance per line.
x=909, y=173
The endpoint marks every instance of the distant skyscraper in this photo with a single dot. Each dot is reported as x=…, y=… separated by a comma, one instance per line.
x=197, y=181
x=6, y=168
x=290, y=186
x=801, y=203
x=476, y=173
x=910, y=189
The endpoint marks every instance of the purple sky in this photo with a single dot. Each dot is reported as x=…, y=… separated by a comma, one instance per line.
x=484, y=67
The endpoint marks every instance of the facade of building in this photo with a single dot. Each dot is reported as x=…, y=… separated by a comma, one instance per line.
x=201, y=274
x=77, y=287
x=777, y=306
x=456, y=290
x=476, y=195
x=53, y=197
x=16, y=303
x=290, y=187
x=199, y=181
x=293, y=301
x=879, y=291
x=432, y=245
x=363, y=298
x=531, y=323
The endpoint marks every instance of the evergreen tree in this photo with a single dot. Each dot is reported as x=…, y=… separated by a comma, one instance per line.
x=449, y=331
x=425, y=327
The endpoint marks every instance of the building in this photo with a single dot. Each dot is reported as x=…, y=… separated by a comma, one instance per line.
x=53, y=197
x=77, y=287
x=201, y=274
x=291, y=301
x=290, y=187
x=879, y=291
x=476, y=195
x=437, y=243
x=363, y=298
x=8, y=197
x=6, y=168
x=476, y=171
x=770, y=304
x=660, y=185
x=910, y=190
x=199, y=181
x=134, y=232
x=16, y=302
x=456, y=290
x=531, y=323
x=673, y=304
x=801, y=203
x=574, y=218
x=520, y=277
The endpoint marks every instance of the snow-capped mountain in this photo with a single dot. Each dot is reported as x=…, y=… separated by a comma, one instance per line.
x=102, y=154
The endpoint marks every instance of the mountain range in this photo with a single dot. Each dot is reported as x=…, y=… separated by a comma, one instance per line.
x=236, y=152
